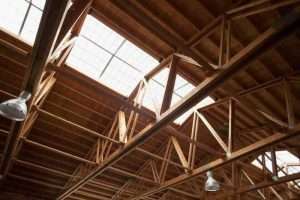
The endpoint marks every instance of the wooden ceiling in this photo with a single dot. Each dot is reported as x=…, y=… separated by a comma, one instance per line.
x=81, y=140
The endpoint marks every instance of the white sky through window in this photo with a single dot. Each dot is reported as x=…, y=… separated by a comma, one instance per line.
x=109, y=58
x=21, y=17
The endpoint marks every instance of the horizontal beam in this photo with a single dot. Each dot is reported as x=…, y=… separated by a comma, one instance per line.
x=44, y=112
x=42, y=146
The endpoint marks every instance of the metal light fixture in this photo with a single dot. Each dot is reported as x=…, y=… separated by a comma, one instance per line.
x=15, y=109
x=211, y=184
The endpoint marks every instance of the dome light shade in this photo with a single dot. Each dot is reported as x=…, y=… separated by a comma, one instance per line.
x=15, y=109
x=211, y=184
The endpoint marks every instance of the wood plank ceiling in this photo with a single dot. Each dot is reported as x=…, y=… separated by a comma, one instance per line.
x=244, y=54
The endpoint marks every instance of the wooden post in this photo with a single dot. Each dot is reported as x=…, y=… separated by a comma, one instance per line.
x=274, y=163
x=231, y=132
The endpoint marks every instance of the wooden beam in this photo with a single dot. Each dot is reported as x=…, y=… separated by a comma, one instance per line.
x=213, y=131
x=274, y=163
x=154, y=171
x=179, y=152
x=122, y=127
x=166, y=103
x=231, y=130
x=252, y=183
x=192, y=147
x=42, y=146
x=78, y=9
x=164, y=165
x=237, y=63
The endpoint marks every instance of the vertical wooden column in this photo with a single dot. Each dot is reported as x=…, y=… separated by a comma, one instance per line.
x=231, y=132
x=236, y=178
x=274, y=163
x=192, y=147
x=222, y=41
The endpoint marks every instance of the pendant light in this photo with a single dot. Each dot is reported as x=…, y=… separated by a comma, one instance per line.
x=15, y=109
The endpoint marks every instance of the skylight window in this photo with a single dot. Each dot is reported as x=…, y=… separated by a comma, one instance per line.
x=104, y=55
x=21, y=17
x=107, y=57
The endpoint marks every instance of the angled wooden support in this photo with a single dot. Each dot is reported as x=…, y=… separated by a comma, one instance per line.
x=252, y=183
x=164, y=165
x=77, y=12
x=138, y=103
x=279, y=197
x=179, y=152
x=155, y=103
x=166, y=103
x=193, y=146
x=237, y=63
x=154, y=171
x=212, y=131
x=269, y=117
x=205, y=31
x=107, y=145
